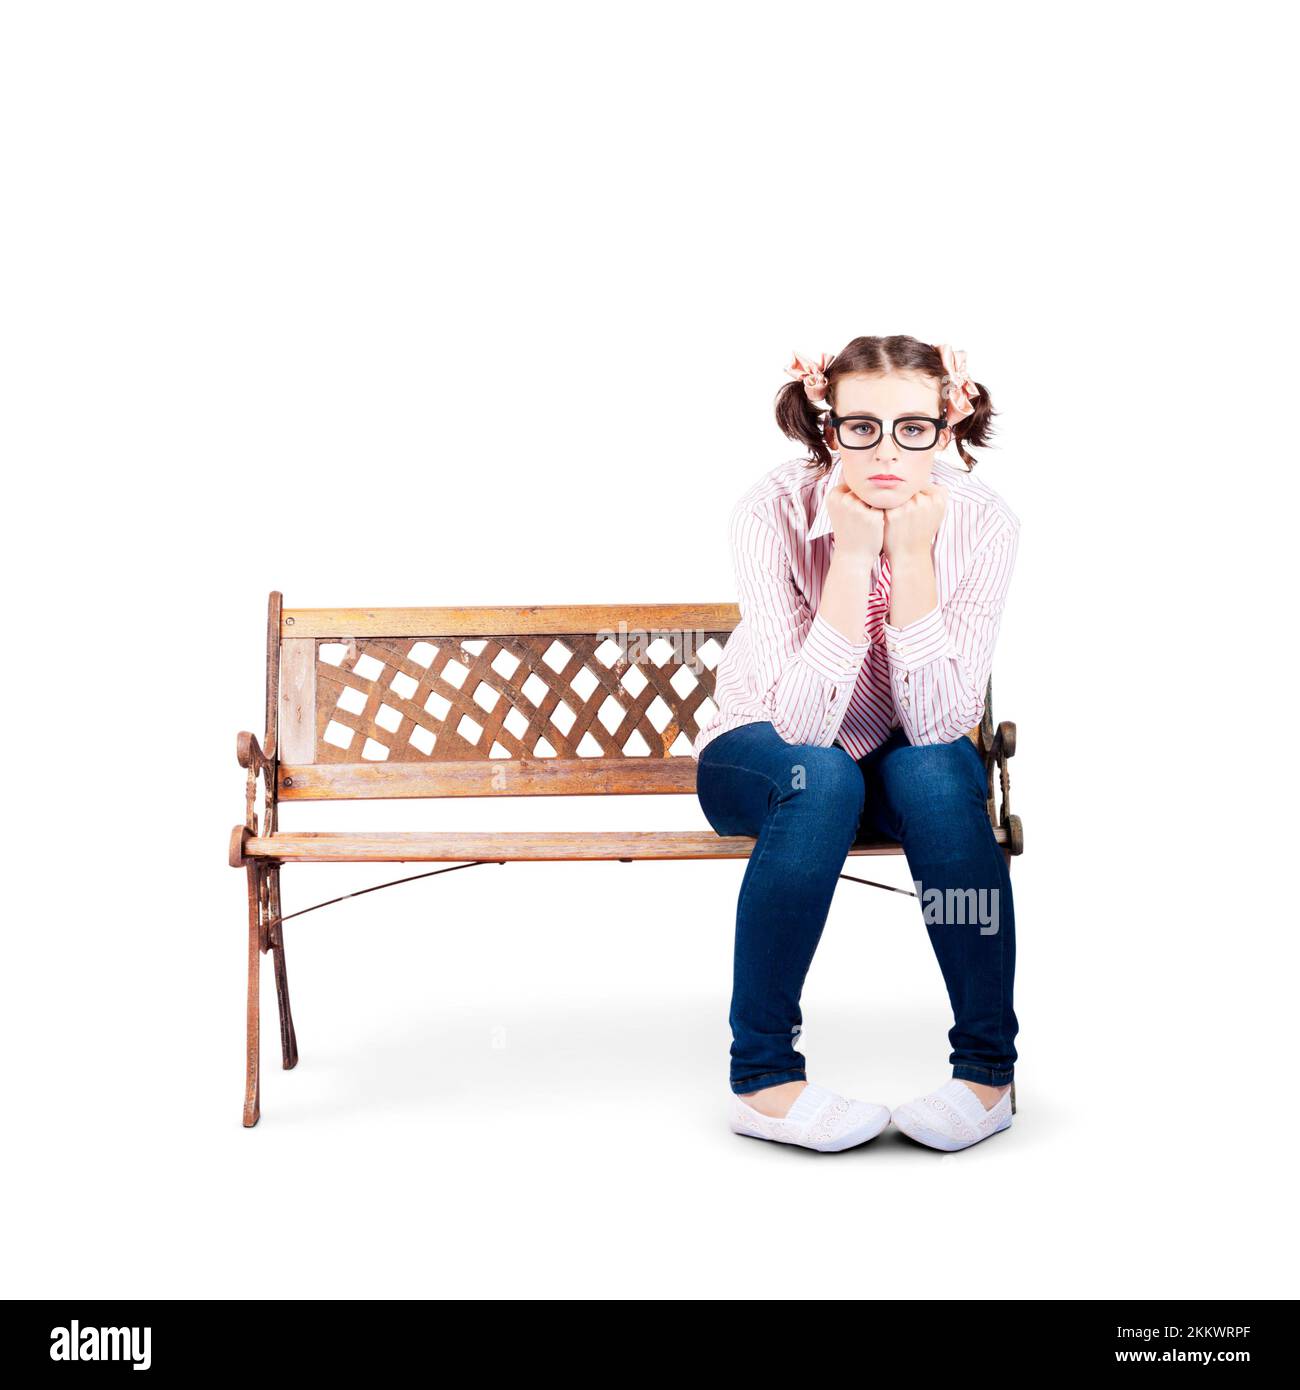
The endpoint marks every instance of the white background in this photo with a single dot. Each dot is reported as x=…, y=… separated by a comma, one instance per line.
x=422, y=305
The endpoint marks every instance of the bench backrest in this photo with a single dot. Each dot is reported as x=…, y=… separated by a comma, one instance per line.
x=549, y=700
x=425, y=702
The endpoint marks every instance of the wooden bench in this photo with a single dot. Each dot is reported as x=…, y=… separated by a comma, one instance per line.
x=370, y=704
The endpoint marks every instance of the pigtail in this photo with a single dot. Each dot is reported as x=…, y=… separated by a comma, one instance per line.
x=800, y=420
x=976, y=428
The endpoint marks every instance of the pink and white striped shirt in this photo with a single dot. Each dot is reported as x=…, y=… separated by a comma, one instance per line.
x=786, y=664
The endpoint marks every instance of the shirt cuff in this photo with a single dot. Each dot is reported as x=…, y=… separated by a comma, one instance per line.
x=919, y=642
x=830, y=653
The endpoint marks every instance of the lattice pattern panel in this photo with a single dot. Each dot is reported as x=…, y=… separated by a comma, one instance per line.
x=446, y=699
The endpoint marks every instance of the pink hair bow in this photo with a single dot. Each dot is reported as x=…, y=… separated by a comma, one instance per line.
x=812, y=374
x=958, y=390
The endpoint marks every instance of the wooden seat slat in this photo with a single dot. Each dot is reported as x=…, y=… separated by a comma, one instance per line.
x=416, y=846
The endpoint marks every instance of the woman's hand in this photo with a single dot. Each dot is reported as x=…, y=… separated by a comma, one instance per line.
x=859, y=528
x=911, y=527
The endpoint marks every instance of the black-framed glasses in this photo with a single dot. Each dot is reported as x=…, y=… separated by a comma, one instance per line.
x=866, y=431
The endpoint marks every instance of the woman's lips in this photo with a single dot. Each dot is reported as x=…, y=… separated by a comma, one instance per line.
x=884, y=478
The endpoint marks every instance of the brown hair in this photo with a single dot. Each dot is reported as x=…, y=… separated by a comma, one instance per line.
x=801, y=419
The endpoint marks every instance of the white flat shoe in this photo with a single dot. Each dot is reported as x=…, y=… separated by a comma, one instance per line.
x=953, y=1117
x=819, y=1119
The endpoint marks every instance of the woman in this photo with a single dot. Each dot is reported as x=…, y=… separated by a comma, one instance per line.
x=871, y=580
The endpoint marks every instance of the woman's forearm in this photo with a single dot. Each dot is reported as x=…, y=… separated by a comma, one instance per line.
x=846, y=592
x=913, y=590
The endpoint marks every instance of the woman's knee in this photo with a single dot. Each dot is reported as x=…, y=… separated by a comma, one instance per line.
x=824, y=782
x=935, y=777
x=757, y=772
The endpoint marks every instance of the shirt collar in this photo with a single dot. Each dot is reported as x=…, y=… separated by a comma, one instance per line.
x=821, y=524
x=822, y=521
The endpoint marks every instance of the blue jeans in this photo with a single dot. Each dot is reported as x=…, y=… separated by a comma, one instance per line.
x=806, y=805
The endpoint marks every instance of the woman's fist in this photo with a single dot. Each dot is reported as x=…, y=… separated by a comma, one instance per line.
x=859, y=528
x=912, y=525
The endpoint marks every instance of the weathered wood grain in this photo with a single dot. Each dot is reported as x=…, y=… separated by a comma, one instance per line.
x=417, y=846
x=473, y=622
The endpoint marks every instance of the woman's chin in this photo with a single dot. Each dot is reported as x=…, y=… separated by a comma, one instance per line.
x=886, y=498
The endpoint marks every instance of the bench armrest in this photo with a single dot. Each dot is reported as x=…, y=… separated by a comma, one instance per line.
x=1002, y=747
x=249, y=752
x=250, y=755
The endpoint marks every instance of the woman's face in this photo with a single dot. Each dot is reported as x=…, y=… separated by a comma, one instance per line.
x=887, y=397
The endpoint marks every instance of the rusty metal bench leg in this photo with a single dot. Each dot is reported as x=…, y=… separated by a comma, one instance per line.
x=288, y=1039
x=252, y=1095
